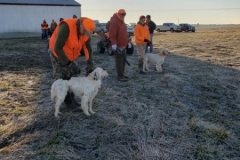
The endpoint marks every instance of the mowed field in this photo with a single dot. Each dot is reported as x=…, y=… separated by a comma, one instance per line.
x=191, y=110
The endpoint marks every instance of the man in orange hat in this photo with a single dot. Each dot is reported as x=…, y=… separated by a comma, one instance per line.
x=69, y=38
x=142, y=38
x=119, y=39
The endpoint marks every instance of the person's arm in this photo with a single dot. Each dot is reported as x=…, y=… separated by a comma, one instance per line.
x=89, y=66
x=89, y=48
x=113, y=32
x=154, y=26
x=138, y=35
x=63, y=33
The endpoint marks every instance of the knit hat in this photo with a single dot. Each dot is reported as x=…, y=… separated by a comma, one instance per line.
x=121, y=11
x=148, y=16
x=142, y=17
x=89, y=24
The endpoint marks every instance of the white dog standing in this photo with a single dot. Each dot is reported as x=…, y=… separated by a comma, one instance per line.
x=85, y=88
x=156, y=59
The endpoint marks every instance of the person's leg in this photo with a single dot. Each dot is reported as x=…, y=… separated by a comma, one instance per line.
x=146, y=49
x=151, y=46
x=124, y=64
x=46, y=33
x=140, y=51
x=61, y=72
x=119, y=66
x=42, y=34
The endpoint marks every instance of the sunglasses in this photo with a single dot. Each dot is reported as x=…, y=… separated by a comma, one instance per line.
x=123, y=14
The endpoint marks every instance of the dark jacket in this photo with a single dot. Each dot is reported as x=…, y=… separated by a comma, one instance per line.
x=151, y=26
x=118, y=31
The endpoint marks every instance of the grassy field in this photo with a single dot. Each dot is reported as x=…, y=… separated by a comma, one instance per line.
x=189, y=111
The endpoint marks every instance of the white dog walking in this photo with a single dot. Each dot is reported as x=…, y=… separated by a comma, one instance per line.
x=85, y=88
x=156, y=59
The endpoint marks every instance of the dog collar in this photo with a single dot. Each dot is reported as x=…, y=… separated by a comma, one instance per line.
x=93, y=77
x=161, y=55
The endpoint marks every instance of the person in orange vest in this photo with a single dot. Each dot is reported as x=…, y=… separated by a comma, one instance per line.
x=44, y=26
x=142, y=38
x=70, y=37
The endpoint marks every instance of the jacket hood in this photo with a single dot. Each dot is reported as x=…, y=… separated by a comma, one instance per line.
x=117, y=17
x=141, y=23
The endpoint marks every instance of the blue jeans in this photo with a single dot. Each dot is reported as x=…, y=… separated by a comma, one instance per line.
x=45, y=33
x=151, y=47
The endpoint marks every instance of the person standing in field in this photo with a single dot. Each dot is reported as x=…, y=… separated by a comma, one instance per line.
x=152, y=26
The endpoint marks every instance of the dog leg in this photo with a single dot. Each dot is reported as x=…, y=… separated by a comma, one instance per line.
x=147, y=66
x=90, y=102
x=160, y=68
x=57, y=107
x=144, y=66
x=84, y=105
x=157, y=68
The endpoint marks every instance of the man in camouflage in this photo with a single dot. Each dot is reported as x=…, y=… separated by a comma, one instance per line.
x=70, y=39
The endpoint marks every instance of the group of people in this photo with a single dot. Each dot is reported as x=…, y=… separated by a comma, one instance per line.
x=46, y=31
x=72, y=37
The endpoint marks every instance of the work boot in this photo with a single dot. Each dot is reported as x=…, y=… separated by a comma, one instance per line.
x=140, y=66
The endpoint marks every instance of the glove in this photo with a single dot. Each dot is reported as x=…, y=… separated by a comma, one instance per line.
x=129, y=45
x=146, y=40
x=114, y=47
x=73, y=68
x=149, y=43
x=89, y=67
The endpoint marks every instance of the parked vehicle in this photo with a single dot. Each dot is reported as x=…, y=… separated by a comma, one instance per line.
x=100, y=25
x=187, y=27
x=130, y=30
x=168, y=27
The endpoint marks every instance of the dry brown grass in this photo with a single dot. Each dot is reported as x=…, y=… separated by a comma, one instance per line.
x=190, y=111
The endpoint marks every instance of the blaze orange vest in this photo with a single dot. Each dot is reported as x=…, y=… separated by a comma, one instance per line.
x=73, y=45
x=44, y=27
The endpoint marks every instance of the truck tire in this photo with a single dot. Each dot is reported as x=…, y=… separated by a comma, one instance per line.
x=158, y=30
x=100, y=47
x=171, y=30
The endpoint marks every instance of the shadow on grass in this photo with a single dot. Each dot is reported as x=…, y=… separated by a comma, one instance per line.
x=189, y=111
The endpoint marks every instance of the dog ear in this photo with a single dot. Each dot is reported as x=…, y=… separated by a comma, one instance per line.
x=95, y=77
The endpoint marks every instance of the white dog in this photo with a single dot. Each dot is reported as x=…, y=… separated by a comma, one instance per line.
x=156, y=59
x=85, y=88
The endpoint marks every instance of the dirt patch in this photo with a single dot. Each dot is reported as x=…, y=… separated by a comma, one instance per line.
x=189, y=111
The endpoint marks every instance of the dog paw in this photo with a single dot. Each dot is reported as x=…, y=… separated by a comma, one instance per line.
x=56, y=114
x=87, y=114
x=92, y=112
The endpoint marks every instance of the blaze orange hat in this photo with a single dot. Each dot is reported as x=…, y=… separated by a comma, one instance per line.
x=89, y=24
x=142, y=17
x=121, y=11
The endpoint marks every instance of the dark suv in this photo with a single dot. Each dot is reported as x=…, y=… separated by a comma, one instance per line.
x=187, y=27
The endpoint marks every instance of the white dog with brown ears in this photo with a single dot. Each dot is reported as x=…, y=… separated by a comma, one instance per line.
x=85, y=88
x=156, y=59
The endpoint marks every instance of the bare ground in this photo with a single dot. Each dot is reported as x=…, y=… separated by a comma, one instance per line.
x=189, y=111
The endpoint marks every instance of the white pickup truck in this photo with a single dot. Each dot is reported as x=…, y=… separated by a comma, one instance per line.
x=168, y=27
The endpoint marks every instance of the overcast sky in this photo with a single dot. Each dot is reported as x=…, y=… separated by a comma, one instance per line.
x=190, y=11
